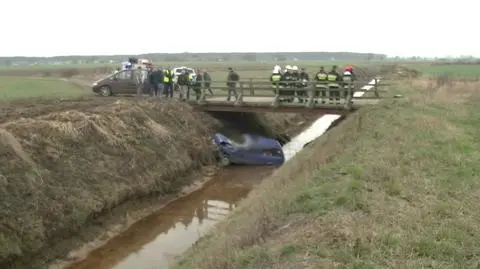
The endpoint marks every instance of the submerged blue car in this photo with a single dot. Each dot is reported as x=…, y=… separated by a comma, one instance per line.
x=254, y=150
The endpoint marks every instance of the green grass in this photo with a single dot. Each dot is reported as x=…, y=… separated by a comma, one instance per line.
x=461, y=70
x=393, y=186
x=24, y=87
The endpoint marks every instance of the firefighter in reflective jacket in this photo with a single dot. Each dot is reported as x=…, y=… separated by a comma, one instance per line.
x=286, y=82
x=334, y=79
x=303, y=79
x=168, y=82
x=276, y=77
x=321, y=85
x=191, y=82
x=348, y=77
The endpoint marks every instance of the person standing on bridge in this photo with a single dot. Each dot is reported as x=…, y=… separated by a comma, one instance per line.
x=232, y=80
x=182, y=85
x=287, y=81
x=348, y=78
x=302, y=83
x=155, y=78
x=168, y=82
x=191, y=82
x=207, y=79
x=334, y=79
x=198, y=86
x=321, y=85
x=276, y=77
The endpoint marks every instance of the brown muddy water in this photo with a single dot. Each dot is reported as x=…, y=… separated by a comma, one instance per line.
x=153, y=242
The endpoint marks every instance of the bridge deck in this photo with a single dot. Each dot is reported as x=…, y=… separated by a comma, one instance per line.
x=264, y=104
x=266, y=100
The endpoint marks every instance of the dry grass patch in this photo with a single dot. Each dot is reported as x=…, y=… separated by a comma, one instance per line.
x=393, y=186
x=61, y=170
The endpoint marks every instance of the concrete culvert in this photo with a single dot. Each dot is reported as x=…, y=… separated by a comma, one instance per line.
x=283, y=139
x=307, y=144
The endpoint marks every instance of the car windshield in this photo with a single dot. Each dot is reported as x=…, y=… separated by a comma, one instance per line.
x=247, y=142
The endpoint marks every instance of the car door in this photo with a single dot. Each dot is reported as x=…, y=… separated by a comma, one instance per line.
x=131, y=82
x=121, y=82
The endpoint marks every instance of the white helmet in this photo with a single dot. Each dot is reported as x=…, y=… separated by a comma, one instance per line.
x=276, y=69
x=295, y=68
x=288, y=67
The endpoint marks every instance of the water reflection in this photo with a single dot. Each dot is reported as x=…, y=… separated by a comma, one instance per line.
x=185, y=230
x=155, y=240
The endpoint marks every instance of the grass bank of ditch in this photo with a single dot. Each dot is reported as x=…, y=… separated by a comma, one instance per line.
x=62, y=171
x=392, y=186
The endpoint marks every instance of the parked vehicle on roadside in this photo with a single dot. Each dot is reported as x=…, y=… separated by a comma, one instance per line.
x=177, y=71
x=255, y=150
x=121, y=82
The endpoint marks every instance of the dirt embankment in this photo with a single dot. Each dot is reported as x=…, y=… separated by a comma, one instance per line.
x=61, y=169
x=64, y=164
x=393, y=186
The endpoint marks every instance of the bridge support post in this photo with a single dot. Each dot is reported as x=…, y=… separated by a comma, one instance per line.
x=239, y=101
x=375, y=88
x=250, y=85
x=311, y=94
x=276, y=100
x=349, y=95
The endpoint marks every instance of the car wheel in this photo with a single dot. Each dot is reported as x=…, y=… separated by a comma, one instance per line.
x=224, y=161
x=105, y=91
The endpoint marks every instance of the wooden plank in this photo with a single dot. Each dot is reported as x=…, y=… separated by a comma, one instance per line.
x=302, y=110
x=268, y=100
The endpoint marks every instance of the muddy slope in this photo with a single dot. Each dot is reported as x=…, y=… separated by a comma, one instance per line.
x=64, y=164
x=61, y=169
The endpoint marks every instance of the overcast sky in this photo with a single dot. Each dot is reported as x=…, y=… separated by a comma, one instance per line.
x=93, y=27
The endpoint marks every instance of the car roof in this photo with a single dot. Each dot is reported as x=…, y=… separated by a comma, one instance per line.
x=256, y=141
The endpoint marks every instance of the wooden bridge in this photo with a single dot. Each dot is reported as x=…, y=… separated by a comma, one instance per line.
x=262, y=96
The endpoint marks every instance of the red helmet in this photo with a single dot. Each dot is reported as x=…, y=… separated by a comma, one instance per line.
x=348, y=68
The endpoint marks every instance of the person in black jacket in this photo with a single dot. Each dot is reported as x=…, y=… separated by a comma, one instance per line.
x=334, y=79
x=302, y=83
x=155, y=78
x=232, y=80
x=287, y=81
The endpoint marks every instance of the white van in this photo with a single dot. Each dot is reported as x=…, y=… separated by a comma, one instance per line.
x=178, y=70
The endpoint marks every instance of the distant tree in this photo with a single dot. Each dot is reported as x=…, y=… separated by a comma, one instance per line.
x=249, y=57
x=172, y=58
x=280, y=58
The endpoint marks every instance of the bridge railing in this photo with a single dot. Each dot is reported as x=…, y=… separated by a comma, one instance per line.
x=311, y=93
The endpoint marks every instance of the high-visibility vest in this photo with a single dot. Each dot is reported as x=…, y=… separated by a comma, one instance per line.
x=322, y=76
x=276, y=77
x=166, y=76
x=332, y=79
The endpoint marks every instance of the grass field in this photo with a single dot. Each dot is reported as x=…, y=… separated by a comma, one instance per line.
x=468, y=71
x=24, y=87
x=393, y=186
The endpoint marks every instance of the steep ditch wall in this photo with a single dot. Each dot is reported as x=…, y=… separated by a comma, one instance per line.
x=62, y=171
